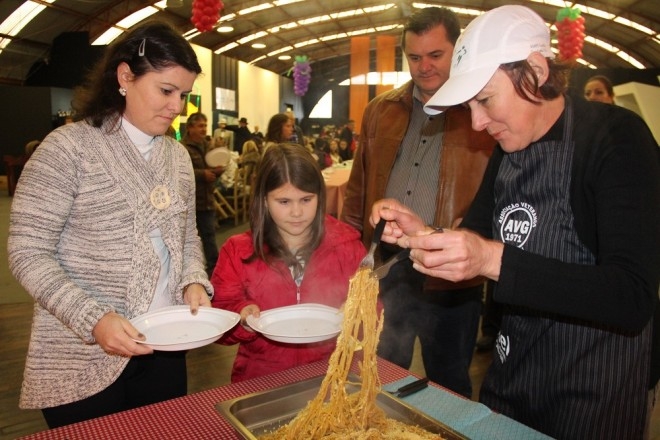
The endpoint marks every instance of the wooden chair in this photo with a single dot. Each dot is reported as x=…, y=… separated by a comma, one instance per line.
x=223, y=208
x=239, y=198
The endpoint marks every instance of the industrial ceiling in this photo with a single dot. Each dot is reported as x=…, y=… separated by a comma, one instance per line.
x=620, y=33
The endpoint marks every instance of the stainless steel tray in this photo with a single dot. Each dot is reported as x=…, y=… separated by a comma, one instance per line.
x=256, y=414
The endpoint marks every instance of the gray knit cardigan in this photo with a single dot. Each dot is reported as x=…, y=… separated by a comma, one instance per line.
x=79, y=244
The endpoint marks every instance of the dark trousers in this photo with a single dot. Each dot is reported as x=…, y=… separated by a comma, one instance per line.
x=445, y=322
x=146, y=379
x=206, y=231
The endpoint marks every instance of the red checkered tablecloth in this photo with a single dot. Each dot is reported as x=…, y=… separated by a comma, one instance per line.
x=193, y=416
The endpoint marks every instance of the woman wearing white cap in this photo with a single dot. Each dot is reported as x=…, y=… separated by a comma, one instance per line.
x=566, y=223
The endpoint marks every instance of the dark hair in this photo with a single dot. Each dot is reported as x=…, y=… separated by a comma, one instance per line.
x=151, y=46
x=320, y=143
x=605, y=81
x=525, y=82
x=192, y=119
x=426, y=19
x=274, y=131
x=281, y=164
x=328, y=149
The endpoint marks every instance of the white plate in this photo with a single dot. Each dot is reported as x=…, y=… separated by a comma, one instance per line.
x=175, y=328
x=299, y=324
x=218, y=157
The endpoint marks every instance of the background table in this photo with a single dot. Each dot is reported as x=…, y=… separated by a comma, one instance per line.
x=336, y=180
x=195, y=416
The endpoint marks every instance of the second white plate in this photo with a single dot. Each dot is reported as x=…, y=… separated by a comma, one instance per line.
x=298, y=324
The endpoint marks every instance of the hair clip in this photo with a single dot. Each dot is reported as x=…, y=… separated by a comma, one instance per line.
x=141, y=48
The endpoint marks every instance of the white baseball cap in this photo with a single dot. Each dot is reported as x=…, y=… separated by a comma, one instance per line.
x=502, y=35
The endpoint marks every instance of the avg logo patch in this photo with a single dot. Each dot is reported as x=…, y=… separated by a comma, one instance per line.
x=516, y=223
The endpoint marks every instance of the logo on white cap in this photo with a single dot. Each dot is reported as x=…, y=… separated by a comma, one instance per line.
x=459, y=55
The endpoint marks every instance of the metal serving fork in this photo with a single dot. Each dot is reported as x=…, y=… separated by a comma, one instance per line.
x=368, y=260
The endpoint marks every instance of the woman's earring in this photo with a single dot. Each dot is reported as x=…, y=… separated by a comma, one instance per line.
x=122, y=91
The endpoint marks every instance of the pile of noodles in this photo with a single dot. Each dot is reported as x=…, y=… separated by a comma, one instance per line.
x=356, y=415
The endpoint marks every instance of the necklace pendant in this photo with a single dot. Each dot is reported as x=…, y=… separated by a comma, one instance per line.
x=160, y=197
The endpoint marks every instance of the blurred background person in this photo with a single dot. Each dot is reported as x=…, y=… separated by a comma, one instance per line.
x=344, y=150
x=250, y=155
x=223, y=137
x=116, y=234
x=293, y=254
x=280, y=129
x=205, y=178
x=347, y=135
x=225, y=182
x=319, y=152
x=241, y=132
x=333, y=152
x=257, y=133
x=297, y=136
x=599, y=88
x=249, y=159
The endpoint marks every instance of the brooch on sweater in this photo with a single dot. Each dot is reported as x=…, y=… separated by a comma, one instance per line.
x=160, y=197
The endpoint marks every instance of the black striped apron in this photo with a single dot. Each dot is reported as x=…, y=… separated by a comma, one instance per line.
x=567, y=378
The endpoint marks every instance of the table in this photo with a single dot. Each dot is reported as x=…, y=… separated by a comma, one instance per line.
x=195, y=416
x=336, y=180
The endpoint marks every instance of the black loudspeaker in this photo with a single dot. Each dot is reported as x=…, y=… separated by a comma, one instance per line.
x=70, y=58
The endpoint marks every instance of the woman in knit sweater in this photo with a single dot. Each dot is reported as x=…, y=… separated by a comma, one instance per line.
x=103, y=229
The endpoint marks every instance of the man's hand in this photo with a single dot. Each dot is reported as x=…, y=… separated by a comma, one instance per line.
x=209, y=175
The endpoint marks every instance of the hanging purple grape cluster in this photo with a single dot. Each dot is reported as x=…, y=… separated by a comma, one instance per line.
x=302, y=75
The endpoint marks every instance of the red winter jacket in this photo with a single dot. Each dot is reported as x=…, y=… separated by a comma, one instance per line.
x=238, y=284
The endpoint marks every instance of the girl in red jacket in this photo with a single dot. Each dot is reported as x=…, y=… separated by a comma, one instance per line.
x=293, y=254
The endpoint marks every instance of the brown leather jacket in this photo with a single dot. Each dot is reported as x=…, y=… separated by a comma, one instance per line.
x=463, y=161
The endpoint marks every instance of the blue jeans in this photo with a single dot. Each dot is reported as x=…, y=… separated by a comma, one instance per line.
x=206, y=232
x=445, y=322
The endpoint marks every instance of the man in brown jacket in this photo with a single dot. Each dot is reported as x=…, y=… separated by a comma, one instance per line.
x=205, y=177
x=416, y=158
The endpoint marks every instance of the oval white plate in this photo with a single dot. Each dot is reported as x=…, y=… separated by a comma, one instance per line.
x=298, y=324
x=218, y=157
x=175, y=328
